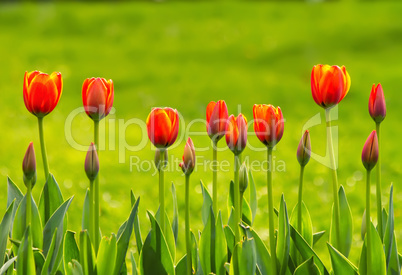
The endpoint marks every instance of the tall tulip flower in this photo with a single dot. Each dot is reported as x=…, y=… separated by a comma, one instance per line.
x=329, y=85
x=217, y=116
x=377, y=110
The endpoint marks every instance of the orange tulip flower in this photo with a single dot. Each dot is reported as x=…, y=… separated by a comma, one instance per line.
x=268, y=124
x=188, y=163
x=236, y=133
x=163, y=126
x=377, y=108
x=329, y=84
x=41, y=92
x=97, y=97
x=217, y=116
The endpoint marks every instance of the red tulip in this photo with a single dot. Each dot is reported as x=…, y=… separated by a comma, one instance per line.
x=268, y=124
x=370, y=151
x=217, y=115
x=188, y=163
x=41, y=92
x=236, y=133
x=163, y=126
x=377, y=107
x=97, y=97
x=329, y=84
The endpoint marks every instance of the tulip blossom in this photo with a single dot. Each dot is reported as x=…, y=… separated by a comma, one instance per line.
x=217, y=115
x=29, y=166
x=268, y=124
x=97, y=97
x=92, y=163
x=42, y=92
x=188, y=163
x=163, y=126
x=329, y=84
x=370, y=151
x=236, y=133
x=377, y=107
x=304, y=149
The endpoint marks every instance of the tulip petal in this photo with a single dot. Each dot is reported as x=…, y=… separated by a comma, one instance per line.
x=96, y=98
x=210, y=108
x=223, y=116
x=331, y=86
x=110, y=96
x=42, y=94
x=159, y=127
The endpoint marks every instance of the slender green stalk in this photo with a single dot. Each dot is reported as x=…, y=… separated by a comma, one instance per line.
x=97, y=191
x=215, y=177
x=271, y=211
x=378, y=187
x=241, y=206
x=29, y=204
x=91, y=211
x=188, y=239
x=162, y=191
x=300, y=203
x=237, y=197
x=43, y=147
x=368, y=224
x=334, y=178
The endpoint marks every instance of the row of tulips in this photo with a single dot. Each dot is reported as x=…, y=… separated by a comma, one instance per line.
x=35, y=240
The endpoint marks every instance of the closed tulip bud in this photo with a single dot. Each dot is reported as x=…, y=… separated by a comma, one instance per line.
x=304, y=149
x=217, y=116
x=29, y=166
x=377, y=107
x=157, y=158
x=329, y=84
x=97, y=97
x=370, y=151
x=92, y=163
x=163, y=127
x=188, y=163
x=42, y=92
x=268, y=124
x=236, y=133
x=243, y=178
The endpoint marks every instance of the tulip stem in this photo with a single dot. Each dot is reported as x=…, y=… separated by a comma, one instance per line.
x=271, y=210
x=162, y=191
x=91, y=211
x=29, y=204
x=215, y=177
x=334, y=177
x=43, y=148
x=97, y=191
x=378, y=189
x=368, y=224
x=188, y=238
x=300, y=203
x=237, y=197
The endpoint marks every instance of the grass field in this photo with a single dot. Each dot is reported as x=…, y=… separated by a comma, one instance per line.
x=184, y=55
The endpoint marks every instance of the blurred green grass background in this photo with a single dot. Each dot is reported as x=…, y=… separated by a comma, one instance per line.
x=184, y=55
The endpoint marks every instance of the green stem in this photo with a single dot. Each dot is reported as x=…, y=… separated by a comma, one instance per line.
x=271, y=211
x=215, y=177
x=368, y=224
x=162, y=191
x=378, y=187
x=29, y=204
x=188, y=239
x=300, y=203
x=237, y=197
x=91, y=211
x=97, y=191
x=334, y=178
x=43, y=147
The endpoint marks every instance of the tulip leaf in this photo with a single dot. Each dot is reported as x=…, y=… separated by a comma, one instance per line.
x=87, y=253
x=317, y=236
x=264, y=264
x=155, y=256
x=194, y=255
x=45, y=267
x=70, y=250
x=175, y=221
x=283, y=238
x=253, y=197
x=133, y=265
x=13, y=193
x=230, y=238
x=220, y=247
x=7, y=265
x=137, y=231
x=75, y=268
x=345, y=226
x=181, y=267
x=206, y=205
x=85, y=212
x=169, y=235
x=378, y=262
x=207, y=245
x=25, y=260
x=50, y=199
x=341, y=264
x=5, y=229
x=246, y=210
x=106, y=256
x=308, y=268
x=244, y=259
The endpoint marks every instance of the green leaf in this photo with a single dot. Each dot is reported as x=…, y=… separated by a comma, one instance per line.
x=13, y=193
x=124, y=239
x=206, y=205
x=207, y=245
x=106, y=256
x=283, y=239
x=194, y=253
x=85, y=212
x=230, y=238
x=246, y=210
x=137, y=231
x=7, y=265
x=244, y=259
x=155, y=256
x=50, y=199
x=181, y=267
x=169, y=235
x=264, y=264
x=346, y=225
x=391, y=251
x=45, y=267
x=70, y=249
x=87, y=255
x=133, y=265
x=378, y=263
x=308, y=268
x=39, y=260
x=5, y=229
x=19, y=226
x=317, y=236
x=75, y=268
x=340, y=264
x=220, y=247
x=175, y=221
x=306, y=251
x=253, y=197
x=25, y=260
